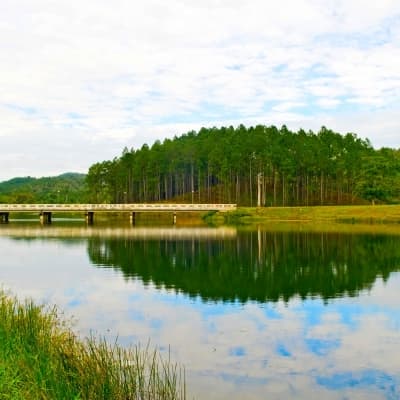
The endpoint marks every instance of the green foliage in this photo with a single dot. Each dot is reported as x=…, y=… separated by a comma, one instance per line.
x=222, y=164
x=379, y=177
x=40, y=358
x=65, y=188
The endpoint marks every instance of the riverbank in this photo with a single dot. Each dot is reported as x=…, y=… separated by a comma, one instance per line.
x=41, y=358
x=347, y=214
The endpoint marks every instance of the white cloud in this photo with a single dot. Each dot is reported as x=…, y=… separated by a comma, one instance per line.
x=128, y=65
x=288, y=106
x=328, y=102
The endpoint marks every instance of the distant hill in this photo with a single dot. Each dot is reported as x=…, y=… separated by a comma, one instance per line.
x=69, y=187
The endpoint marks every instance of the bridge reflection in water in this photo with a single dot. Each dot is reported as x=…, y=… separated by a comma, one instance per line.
x=46, y=210
x=162, y=233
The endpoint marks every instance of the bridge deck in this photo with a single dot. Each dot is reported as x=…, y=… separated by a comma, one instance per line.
x=114, y=207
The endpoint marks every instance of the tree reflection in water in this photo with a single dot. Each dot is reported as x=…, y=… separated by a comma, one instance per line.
x=254, y=266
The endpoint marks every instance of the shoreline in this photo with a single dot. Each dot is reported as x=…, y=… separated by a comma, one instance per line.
x=43, y=358
x=383, y=214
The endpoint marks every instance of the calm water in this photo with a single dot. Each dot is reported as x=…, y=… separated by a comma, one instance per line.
x=251, y=314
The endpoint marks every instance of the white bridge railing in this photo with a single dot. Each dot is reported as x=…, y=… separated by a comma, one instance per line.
x=115, y=207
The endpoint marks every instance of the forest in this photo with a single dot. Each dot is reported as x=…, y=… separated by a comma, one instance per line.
x=261, y=165
x=66, y=188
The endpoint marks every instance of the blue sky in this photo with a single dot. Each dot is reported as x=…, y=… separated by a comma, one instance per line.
x=81, y=80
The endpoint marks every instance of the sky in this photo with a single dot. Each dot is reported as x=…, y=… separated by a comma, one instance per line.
x=80, y=80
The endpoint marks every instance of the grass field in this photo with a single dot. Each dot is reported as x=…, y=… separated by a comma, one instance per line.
x=41, y=358
x=348, y=214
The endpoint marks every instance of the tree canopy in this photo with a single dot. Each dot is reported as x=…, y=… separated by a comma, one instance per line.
x=65, y=188
x=249, y=165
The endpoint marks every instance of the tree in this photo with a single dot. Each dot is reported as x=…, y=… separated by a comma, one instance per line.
x=379, y=176
x=221, y=165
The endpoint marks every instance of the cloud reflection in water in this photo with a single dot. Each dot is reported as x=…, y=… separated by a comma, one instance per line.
x=343, y=347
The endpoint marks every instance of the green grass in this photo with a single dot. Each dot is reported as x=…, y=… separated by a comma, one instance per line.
x=363, y=214
x=41, y=358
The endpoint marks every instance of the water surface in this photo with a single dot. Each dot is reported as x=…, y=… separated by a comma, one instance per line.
x=261, y=313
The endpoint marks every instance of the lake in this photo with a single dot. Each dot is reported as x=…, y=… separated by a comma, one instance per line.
x=274, y=312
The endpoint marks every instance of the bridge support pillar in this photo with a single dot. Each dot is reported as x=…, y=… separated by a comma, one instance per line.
x=45, y=217
x=174, y=218
x=89, y=217
x=132, y=218
x=4, y=217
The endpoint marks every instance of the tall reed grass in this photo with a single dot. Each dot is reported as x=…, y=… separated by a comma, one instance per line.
x=41, y=358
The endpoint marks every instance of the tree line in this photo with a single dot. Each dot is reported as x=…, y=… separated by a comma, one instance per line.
x=261, y=164
x=66, y=188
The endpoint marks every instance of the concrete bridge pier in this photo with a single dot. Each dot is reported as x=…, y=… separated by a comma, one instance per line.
x=89, y=217
x=45, y=217
x=4, y=217
x=132, y=218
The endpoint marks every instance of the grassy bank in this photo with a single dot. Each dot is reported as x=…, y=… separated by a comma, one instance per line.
x=352, y=214
x=41, y=358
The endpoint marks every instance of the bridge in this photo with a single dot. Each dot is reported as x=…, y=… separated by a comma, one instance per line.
x=45, y=211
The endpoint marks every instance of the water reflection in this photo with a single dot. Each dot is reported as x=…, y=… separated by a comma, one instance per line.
x=71, y=231
x=261, y=266
x=266, y=329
